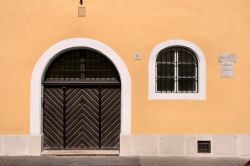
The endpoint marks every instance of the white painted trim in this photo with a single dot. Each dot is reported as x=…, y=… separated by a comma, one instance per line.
x=201, y=95
x=47, y=58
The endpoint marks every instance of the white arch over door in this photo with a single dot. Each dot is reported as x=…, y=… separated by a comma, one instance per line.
x=51, y=54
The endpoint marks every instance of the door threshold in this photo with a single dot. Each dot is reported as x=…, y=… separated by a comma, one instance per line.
x=81, y=152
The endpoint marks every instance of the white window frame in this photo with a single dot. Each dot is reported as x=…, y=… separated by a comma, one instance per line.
x=201, y=95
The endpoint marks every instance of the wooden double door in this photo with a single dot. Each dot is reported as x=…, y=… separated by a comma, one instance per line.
x=81, y=117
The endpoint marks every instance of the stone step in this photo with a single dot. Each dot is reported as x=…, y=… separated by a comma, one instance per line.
x=81, y=152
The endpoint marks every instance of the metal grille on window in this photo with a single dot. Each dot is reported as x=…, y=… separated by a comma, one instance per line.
x=204, y=146
x=81, y=66
x=176, y=71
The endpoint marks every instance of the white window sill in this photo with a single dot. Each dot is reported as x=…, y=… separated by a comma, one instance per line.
x=179, y=96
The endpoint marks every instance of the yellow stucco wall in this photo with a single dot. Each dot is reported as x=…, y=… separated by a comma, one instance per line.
x=28, y=28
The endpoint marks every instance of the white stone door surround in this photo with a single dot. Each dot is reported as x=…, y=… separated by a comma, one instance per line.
x=36, y=87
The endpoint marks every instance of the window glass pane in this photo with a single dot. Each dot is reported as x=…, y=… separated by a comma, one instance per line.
x=165, y=70
x=166, y=55
x=81, y=65
x=186, y=70
x=165, y=84
x=187, y=84
x=185, y=56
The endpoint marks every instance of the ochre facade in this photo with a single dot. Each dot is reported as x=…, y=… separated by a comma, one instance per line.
x=29, y=28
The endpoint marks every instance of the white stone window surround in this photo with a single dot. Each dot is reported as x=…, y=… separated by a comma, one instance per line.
x=153, y=95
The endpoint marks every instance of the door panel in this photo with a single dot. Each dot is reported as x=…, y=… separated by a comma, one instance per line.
x=82, y=118
x=110, y=118
x=53, y=118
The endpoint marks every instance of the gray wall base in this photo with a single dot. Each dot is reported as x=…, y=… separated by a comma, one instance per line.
x=184, y=145
x=144, y=145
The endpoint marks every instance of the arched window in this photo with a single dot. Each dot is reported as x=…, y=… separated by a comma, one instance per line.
x=177, y=70
x=81, y=66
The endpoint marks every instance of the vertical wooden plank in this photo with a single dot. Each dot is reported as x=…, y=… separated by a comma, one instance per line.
x=53, y=118
x=110, y=118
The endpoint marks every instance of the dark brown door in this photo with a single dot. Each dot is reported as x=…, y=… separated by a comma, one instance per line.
x=82, y=118
x=78, y=118
x=53, y=118
x=110, y=117
x=82, y=100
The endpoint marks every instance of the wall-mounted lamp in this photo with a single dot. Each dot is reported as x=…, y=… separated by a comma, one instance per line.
x=81, y=10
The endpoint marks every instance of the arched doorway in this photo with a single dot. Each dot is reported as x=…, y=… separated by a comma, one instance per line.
x=81, y=102
x=38, y=74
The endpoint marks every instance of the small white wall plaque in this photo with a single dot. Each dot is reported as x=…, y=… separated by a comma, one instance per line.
x=227, y=58
x=227, y=70
x=137, y=56
x=227, y=65
x=81, y=11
